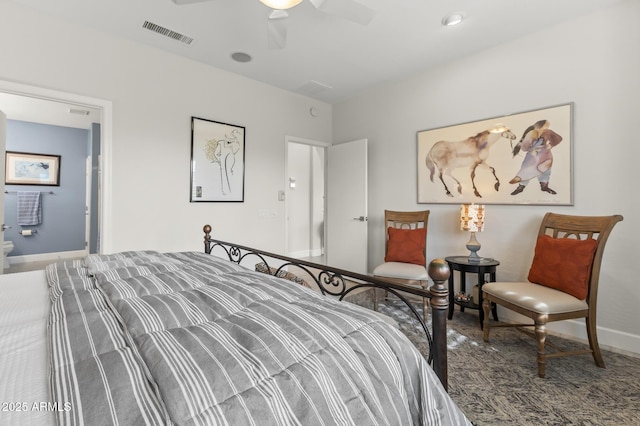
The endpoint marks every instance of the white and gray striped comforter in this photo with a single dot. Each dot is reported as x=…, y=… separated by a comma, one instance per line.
x=186, y=338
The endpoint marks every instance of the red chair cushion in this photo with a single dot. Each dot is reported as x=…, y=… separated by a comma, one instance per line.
x=406, y=245
x=563, y=264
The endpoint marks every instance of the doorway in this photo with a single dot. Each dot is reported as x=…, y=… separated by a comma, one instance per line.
x=305, y=199
x=333, y=177
x=31, y=104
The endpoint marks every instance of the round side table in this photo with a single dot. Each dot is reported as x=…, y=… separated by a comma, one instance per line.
x=481, y=268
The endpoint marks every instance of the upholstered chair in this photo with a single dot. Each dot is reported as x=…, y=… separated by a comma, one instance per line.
x=562, y=282
x=405, y=260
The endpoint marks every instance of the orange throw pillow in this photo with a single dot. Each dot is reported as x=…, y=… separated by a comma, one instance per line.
x=563, y=264
x=406, y=245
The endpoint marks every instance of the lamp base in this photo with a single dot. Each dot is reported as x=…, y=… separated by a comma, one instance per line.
x=473, y=246
x=473, y=257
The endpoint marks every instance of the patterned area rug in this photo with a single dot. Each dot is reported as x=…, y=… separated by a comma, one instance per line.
x=496, y=383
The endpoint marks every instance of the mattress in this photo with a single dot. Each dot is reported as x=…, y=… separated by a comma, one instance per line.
x=24, y=378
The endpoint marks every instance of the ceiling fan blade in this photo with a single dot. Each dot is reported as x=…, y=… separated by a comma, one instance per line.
x=347, y=9
x=180, y=2
x=277, y=28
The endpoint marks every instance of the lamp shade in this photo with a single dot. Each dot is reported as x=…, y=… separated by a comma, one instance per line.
x=281, y=4
x=472, y=217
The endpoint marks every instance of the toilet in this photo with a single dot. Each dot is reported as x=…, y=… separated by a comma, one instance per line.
x=6, y=249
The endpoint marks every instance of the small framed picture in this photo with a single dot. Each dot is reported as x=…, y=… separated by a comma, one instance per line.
x=24, y=168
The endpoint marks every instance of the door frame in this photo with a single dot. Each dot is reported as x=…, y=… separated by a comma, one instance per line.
x=3, y=147
x=106, y=121
x=303, y=141
x=87, y=207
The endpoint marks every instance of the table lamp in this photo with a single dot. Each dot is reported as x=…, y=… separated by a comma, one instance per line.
x=472, y=219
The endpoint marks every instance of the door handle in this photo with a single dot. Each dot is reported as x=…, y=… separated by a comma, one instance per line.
x=361, y=218
x=5, y=227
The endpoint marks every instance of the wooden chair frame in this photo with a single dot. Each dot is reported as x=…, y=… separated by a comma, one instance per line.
x=563, y=226
x=405, y=220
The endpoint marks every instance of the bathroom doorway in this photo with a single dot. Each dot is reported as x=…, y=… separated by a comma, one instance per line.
x=305, y=199
x=27, y=104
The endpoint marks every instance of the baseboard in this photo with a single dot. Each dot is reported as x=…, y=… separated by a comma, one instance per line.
x=299, y=254
x=46, y=257
x=608, y=339
x=302, y=254
x=317, y=252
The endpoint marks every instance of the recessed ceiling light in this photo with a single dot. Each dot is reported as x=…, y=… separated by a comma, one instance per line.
x=241, y=57
x=452, y=19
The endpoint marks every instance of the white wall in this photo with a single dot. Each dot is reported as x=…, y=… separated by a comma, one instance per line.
x=154, y=94
x=593, y=61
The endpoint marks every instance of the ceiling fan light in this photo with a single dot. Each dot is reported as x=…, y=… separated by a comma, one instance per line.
x=281, y=4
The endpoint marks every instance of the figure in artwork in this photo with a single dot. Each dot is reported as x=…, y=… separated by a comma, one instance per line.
x=223, y=152
x=472, y=152
x=537, y=141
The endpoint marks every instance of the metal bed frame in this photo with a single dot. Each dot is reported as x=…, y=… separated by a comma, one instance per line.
x=340, y=283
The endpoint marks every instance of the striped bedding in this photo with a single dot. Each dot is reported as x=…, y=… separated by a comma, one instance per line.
x=148, y=338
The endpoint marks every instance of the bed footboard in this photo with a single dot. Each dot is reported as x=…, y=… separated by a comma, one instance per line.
x=340, y=283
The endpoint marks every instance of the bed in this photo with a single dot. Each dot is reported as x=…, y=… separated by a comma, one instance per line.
x=193, y=338
x=24, y=379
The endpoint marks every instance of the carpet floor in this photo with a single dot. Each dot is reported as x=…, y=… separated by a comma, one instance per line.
x=496, y=383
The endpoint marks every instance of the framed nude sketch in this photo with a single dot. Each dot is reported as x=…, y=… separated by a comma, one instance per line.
x=524, y=158
x=217, y=161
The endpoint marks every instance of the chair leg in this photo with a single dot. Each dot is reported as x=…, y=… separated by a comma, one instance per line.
x=375, y=299
x=541, y=336
x=425, y=304
x=486, y=307
x=593, y=341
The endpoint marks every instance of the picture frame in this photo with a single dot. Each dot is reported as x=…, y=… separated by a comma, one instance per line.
x=217, y=161
x=26, y=168
x=523, y=158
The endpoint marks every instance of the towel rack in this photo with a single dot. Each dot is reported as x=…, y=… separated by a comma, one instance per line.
x=42, y=192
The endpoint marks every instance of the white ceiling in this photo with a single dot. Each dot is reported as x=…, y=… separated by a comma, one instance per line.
x=24, y=108
x=404, y=38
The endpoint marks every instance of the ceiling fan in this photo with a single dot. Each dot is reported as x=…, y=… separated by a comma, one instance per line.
x=277, y=22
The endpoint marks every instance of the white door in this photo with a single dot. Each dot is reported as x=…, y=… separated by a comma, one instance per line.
x=3, y=146
x=347, y=206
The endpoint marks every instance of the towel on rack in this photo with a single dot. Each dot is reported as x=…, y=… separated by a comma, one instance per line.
x=29, y=208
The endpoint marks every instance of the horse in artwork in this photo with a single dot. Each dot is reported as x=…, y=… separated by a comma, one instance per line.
x=472, y=152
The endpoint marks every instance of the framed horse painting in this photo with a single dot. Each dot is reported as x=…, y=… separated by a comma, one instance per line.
x=523, y=158
x=217, y=161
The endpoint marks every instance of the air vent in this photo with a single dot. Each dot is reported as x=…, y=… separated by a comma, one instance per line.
x=167, y=32
x=312, y=88
x=78, y=111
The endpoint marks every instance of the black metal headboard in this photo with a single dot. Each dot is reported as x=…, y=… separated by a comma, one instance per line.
x=340, y=283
